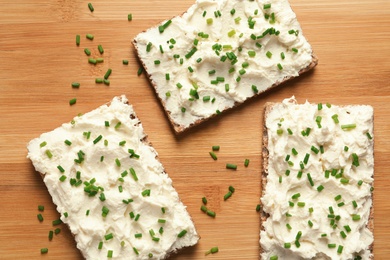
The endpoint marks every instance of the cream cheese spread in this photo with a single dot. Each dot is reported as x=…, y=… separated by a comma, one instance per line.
x=319, y=184
x=220, y=53
x=110, y=188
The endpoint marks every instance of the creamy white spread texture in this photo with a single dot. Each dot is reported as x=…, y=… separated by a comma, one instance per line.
x=110, y=188
x=319, y=185
x=220, y=53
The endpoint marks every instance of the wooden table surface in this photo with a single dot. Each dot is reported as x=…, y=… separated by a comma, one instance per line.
x=39, y=60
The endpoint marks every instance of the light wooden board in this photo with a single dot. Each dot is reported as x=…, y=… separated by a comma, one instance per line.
x=39, y=60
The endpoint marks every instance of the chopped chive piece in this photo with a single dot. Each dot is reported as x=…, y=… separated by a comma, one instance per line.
x=348, y=126
x=296, y=196
x=209, y=21
x=57, y=222
x=91, y=7
x=203, y=208
x=140, y=70
x=109, y=253
x=67, y=142
x=109, y=236
x=146, y=193
x=306, y=159
x=211, y=213
x=343, y=235
x=138, y=235
x=368, y=135
x=289, y=131
x=338, y=197
x=355, y=160
x=72, y=101
x=232, y=189
x=44, y=250
x=335, y=118
x=279, y=131
x=100, y=48
x=204, y=200
x=315, y=149
x=355, y=217
x=347, y=228
x=267, y=6
x=78, y=39
x=258, y=207
x=320, y=188
x=255, y=90
x=43, y=144
x=360, y=182
x=344, y=181
x=117, y=162
x=191, y=52
x=297, y=244
x=213, y=250
x=280, y=67
x=287, y=245
x=167, y=77
x=133, y=174
x=182, y=233
x=310, y=223
x=135, y=251
x=41, y=207
x=97, y=139
x=183, y=109
x=340, y=204
x=62, y=178
x=227, y=195
x=215, y=147
x=298, y=236
x=291, y=204
x=269, y=54
x=99, y=80
x=274, y=257
x=120, y=188
x=251, y=53
x=231, y=33
x=125, y=62
x=89, y=36
x=206, y=98
x=246, y=162
x=322, y=149
x=288, y=226
x=323, y=235
x=137, y=217
x=213, y=155
x=346, y=148
x=319, y=106
x=301, y=204
x=354, y=204
x=231, y=166
x=340, y=249
x=40, y=217
x=287, y=172
x=295, y=50
x=331, y=245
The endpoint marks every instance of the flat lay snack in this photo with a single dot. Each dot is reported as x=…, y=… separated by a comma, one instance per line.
x=317, y=183
x=220, y=53
x=110, y=188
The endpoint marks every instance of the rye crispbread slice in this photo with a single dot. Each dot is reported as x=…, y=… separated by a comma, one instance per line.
x=138, y=184
x=160, y=51
x=264, y=215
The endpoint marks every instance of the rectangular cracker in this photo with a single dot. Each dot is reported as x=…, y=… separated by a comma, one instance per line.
x=190, y=59
x=277, y=194
x=110, y=188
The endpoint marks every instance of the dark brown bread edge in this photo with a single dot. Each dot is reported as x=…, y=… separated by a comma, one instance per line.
x=264, y=173
x=146, y=141
x=179, y=129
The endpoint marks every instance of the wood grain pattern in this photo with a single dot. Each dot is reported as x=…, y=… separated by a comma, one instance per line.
x=39, y=60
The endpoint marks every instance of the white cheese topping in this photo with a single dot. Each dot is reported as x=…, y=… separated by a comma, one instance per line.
x=342, y=158
x=229, y=41
x=137, y=192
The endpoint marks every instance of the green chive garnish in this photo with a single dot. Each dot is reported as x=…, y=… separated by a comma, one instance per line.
x=355, y=160
x=306, y=159
x=44, y=250
x=89, y=36
x=130, y=17
x=213, y=155
x=62, y=178
x=182, y=233
x=211, y=213
x=246, y=162
x=135, y=251
x=57, y=222
x=348, y=126
x=331, y=245
x=288, y=226
x=310, y=223
x=296, y=196
x=91, y=7
x=295, y=50
x=267, y=6
x=109, y=253
x=213, y=250
x=117, y=162
x=354, y=204
x=231, y=166
x=97, y=139
x=204, y=200
x=40, y=217
x=125, y=62
x=360, y=182
x=355, y=217
x=215, y=147
x=320, y=188
x=347, y=228
x=258, y=207
x=72, y=101
x=301, y=204
x=227, y=195
x=274, y=257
